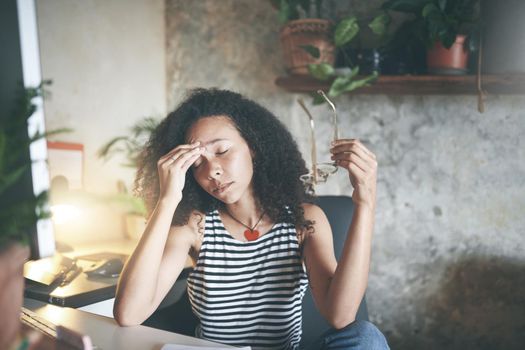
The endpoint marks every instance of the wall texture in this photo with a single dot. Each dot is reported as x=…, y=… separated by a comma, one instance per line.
x=107, y=63
x=448, y=255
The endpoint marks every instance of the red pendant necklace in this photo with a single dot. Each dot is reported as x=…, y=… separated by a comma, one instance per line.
x=251, y=234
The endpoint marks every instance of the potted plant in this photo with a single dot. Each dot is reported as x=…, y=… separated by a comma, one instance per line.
x=20, y=210
x=446, y=27
x=346, y=78
x=131, y=147
x=304, y=28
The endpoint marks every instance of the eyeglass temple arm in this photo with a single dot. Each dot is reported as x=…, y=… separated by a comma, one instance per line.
x=336, y=129
x=314, y=148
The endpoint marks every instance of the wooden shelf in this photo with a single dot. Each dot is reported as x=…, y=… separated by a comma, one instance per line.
x=507, y=84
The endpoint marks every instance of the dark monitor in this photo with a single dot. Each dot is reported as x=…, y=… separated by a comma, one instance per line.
x=20, y=66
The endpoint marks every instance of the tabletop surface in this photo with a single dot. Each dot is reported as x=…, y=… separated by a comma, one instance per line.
x=105, y=332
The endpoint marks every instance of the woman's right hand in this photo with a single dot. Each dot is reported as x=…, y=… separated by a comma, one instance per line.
x=162, y=250
x=172, y=169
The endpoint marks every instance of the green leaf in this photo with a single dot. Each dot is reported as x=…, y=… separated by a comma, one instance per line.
x=106, y=149
x=347, y=84
x=345, y=31
x=380, y=23
x=430, y=10
x=42, y=210
x=287, y=11
x=354, y=71
x=311, y=50
x=145, y=126
x=131, y=145
x=407, y=6
x=12, y=177
x=442, y=4
x=322, y=71
x=317, y=99
x=364, y=82
x=304, y=5
x=448, y=39
x=318, y=5
x=3, y=152
x=284, y=11
x=40, y=135
x=16, y=217
x=19, y=212
x=339, y=85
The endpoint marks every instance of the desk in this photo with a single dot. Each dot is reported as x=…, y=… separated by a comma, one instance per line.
x=106, y=334
x=96, y=293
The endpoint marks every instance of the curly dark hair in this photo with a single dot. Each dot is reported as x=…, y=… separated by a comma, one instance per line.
x=277, y=161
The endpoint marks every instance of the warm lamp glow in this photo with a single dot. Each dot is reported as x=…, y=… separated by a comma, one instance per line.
x=65, y=213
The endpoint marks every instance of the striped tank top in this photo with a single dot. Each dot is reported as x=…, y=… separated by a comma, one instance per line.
x=249, y=293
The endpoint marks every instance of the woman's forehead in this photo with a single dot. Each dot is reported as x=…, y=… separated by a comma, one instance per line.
x=212, y=129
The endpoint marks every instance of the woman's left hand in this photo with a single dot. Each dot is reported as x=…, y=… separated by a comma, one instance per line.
x=361, y=164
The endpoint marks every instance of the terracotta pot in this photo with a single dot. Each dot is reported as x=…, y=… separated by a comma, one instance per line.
x=315, y=32
x=453, y=61
x=12, y=260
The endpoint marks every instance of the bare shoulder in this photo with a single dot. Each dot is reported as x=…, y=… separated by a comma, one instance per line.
x=312, y=211
x=319, y=222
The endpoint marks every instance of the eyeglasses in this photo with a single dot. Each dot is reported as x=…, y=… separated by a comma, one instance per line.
x=320, y=171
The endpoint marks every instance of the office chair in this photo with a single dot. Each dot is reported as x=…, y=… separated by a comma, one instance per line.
x=338, y=210
x=175, y=315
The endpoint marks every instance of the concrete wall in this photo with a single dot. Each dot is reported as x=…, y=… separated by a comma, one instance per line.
x=448, y=255
x=107, y=63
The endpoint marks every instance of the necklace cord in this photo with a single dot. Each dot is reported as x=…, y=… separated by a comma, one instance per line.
x=248, y=227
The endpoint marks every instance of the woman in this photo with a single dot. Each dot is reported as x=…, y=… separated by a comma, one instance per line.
x=220, y=177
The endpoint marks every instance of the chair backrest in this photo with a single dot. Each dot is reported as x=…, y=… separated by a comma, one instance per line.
x=338, y=210
x=174, y=313
x=179, y=318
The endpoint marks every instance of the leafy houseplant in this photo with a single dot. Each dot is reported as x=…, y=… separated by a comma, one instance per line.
x=303, y=28
x=291, y=9
x=445, y=27
x=19, y=212
x=316, y=52
x=346, y=30
x=131, y=147
x=19, y=209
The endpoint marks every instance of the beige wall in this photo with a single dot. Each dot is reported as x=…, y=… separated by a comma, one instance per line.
x=107, y=63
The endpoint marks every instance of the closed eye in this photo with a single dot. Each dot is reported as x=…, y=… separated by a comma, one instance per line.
x=195, y=165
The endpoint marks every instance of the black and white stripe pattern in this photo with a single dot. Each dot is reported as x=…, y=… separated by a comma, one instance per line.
x=249, y=293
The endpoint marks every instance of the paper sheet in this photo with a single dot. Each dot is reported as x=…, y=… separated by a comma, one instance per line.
x=193, y=347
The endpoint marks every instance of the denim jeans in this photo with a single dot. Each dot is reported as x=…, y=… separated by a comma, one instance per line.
x=358, y=335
